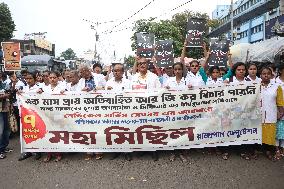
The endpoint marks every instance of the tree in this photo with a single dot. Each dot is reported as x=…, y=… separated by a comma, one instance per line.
x=69, y=54
x=174, y=29
x=7, y=25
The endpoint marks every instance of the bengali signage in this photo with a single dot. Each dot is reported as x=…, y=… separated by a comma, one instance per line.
x=12, y=56
x=133, y=121
x=164, y=53
x=219, y=49
x=195, y=32
x=274, y=27
x=145, y=44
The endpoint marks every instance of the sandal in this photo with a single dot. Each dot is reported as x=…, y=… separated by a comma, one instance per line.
x=99, y=156
x=172, y=157
x=225, y=156
x=47, y=159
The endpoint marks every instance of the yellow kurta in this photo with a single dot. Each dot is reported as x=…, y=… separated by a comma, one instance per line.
x=269, y=129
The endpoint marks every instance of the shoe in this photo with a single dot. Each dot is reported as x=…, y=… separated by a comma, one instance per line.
x=116, y=155
x=37, y=156
x=2, y=155
x=8, y=150
x=128, y=156
x=25, y=156
x=155, y=156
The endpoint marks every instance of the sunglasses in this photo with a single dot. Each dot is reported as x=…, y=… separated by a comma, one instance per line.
x=194, y=66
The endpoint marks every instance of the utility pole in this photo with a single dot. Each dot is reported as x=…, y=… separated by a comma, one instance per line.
x=232, y=21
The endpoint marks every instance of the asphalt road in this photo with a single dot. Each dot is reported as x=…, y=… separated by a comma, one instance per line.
x=200, y=171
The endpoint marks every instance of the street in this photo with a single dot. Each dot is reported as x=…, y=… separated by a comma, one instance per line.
x=200, y=171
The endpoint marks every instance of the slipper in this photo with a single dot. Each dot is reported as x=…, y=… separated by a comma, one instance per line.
x=88, y=157
x=172, y=157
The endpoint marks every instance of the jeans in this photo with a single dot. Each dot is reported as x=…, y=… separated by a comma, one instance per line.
x=4, y=131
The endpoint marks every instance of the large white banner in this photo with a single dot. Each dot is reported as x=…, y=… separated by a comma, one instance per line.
x=141, y=120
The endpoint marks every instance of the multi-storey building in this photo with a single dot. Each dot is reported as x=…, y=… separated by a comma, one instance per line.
x=249, y=20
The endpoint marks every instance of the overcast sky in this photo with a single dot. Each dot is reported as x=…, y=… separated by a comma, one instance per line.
x=63, y=20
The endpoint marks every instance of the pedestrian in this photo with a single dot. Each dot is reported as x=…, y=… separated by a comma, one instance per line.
x=145, y=80
x=272, y=102
x=54, y=87
x=4, y=126
x=280, y=124
x=178, y=83
x=31, y=87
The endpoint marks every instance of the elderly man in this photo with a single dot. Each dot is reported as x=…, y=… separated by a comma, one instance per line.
x=87, y=82
x=144, y=79
x=74, y=81
x=118, y=82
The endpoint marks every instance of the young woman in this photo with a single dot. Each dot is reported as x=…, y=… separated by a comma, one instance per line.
x=280, y=124
x=54, y=87
x=178, y=82
x=252, y=71
x=239, y=72
x=272, y=103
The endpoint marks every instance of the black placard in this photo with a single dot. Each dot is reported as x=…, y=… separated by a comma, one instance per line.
x=195, y=32
x=145, y=44
x=164, y=53
x=219, y=52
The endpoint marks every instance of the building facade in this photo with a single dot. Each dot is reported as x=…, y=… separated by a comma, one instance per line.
x=35, y=47
x=249, y=19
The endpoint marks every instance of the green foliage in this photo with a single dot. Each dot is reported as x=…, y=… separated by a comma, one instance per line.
x=174, y=29
x=69, y=54
x=130, y=60
x=7, y=25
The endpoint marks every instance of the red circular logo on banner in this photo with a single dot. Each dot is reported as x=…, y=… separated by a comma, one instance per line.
x=33, y=127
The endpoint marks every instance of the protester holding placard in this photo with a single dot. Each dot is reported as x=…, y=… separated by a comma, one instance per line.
x=193, y=76
x=144, y=79
x=272, y=107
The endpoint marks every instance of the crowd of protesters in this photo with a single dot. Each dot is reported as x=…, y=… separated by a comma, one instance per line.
x=145, y=74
